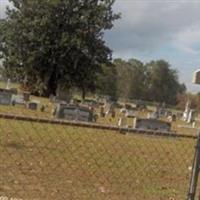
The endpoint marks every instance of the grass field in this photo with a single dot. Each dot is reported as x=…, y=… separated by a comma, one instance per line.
x=48, y=161
x=44, y=161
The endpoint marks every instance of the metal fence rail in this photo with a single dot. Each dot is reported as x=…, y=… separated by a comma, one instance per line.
x=51, y=159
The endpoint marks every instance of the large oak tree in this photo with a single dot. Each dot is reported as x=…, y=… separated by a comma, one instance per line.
x=57, y=43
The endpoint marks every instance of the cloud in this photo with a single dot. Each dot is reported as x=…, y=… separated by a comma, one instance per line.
x=147, y=25
x=3, y=4
x=189, y=40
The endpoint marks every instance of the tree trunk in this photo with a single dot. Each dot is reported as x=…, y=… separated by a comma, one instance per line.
x=52, y=86
x=83, y=93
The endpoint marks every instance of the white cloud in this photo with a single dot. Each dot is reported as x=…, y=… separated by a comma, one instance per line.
x=3, y=4
x=189, y=40
x=146, y=25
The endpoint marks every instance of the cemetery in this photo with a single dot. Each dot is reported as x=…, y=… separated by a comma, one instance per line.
x=95, y=109
x=101, y=111
x=82, y=127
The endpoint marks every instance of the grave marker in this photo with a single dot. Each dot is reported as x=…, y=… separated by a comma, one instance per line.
x=5, y=98
x=26, y=96
x=32, y=106
x=151, y=124
x=73, y=112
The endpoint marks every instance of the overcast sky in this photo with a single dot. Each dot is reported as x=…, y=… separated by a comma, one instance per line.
x=153, y=29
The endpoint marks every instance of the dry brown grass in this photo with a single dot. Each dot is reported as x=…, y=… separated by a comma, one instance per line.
x=43, y=161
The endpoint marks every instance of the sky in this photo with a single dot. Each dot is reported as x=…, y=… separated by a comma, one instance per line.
x=156, y=29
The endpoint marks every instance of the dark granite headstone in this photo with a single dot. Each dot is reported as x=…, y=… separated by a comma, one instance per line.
x=5, y=98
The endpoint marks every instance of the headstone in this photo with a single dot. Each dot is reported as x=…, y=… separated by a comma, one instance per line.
x=191, y=116
x=84, y=114
x=128, y=106
x=162, y=112
x=8, y=84
x=122, y=122
x=110, y=108
x=42, y=108
x=153, y=115
x=187, y=111
x=123, y=110
x=73, y=112
x=151, y=124
x=5, y=98
x=26, y=96
x=18, y=99
x=172, y=118
x=75, y=101
x=102, y=113
x=141, y=105
x=33, y=105
x=90, y=102
x=130, y=114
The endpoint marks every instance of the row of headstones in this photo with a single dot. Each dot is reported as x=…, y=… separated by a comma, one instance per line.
x=145, y=124
x=73, y=112
x=11, y=97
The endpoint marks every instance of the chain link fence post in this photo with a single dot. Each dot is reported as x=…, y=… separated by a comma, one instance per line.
x=195, y=172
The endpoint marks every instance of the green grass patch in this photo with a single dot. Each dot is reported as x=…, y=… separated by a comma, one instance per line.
x=61, y=162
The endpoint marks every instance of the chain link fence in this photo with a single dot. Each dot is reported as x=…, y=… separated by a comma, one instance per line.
x=42, y=158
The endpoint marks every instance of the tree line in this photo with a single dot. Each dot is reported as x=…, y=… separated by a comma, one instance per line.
x=154, y=81
x=52, y=44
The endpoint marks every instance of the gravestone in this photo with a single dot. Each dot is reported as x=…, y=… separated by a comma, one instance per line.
x=191, y=116
x=33, y=105
x=90, y=102
x=26, y=96
x=130, y=114
x=102, y=113
x=110, y=108
x=122, y=123
x=18, y=99
x=153, y=115
x=5, y=98
x=162, y=112
x=151, y=124
x=8, y=84
x=172, y=118
x=74, y=112
x=187, y=111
